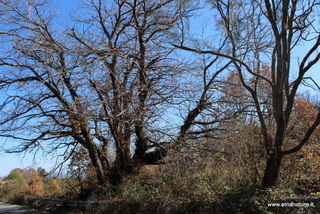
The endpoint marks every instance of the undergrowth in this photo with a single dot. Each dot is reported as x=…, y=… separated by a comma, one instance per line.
x=190, y=186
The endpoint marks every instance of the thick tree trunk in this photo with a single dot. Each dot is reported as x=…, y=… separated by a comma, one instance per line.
x=96, y=162
x=271, y=173
x=141, y=143
x=123, y=165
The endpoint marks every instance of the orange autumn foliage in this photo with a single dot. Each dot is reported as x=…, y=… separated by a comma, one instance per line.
x=307, y=161
x=35, y=187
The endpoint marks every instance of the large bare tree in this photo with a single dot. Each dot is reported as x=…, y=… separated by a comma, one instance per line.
x=100, y=82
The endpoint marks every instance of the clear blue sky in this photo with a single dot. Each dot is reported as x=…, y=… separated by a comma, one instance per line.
x=11, y=161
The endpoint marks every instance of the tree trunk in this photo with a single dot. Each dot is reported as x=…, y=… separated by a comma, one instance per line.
x=123, y=165
x=96, y=162
x=272, y=169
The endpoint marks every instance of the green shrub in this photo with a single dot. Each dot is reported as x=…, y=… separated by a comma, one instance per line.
x=14, y=185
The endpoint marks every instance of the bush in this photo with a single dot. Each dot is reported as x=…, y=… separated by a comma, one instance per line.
x=15, y=184
x=52, y=189
x=35, y=187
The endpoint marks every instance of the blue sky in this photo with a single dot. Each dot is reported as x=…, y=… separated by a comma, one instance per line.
x=11, y=161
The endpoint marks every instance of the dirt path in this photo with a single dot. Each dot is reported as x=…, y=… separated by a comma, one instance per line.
x=12, y=209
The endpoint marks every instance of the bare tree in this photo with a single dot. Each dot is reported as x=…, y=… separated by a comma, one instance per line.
x=270, y=32
x=100, y=83
x=138, y=72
